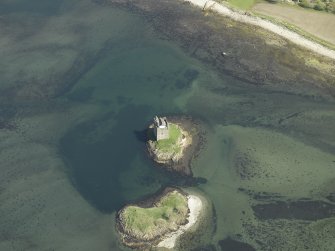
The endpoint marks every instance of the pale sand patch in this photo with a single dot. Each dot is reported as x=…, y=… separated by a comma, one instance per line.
x=185, y=142
x=195, y=206
x=265, y=24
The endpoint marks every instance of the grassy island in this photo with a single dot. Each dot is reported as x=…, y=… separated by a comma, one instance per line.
x=149, y=223
x=162, y=220
x=170, y=150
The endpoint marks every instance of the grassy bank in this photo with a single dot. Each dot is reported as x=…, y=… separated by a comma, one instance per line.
x=171, y=210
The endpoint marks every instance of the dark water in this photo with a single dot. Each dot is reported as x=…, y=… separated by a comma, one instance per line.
x=131, y=84
x=35, y=6
x=69, y=163
x=113, y=169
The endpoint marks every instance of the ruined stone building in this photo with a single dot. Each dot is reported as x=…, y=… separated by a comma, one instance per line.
x=161, y=128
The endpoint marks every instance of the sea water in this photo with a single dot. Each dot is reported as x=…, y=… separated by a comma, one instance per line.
x=90, y=142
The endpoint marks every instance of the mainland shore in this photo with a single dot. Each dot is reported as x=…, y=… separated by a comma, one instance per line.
x=265, y=24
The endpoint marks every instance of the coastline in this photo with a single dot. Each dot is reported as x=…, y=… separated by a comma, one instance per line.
x=265, y=24
x=205, y=37
x=195, y=206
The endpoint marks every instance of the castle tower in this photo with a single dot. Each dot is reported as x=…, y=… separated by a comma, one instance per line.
x=161, y=128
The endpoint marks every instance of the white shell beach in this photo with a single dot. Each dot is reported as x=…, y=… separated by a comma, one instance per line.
x=196, y=206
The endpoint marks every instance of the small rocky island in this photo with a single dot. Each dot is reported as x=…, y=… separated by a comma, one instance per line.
x=159, y=221
x=173, y=142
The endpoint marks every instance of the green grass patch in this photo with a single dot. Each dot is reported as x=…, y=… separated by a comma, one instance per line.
x=170, y=144
x=172, y=209
x=242, y=4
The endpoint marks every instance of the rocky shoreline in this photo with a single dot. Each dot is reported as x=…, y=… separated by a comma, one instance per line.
x=194, y=140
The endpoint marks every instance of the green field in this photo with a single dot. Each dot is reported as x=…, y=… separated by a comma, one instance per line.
x=172, y=209
x=171, y=144
x=242, y=4
x=311, y=24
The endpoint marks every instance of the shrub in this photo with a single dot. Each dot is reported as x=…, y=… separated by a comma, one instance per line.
x=319, y=6
x=305, y=4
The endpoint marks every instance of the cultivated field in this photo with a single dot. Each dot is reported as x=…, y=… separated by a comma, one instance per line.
x=319, y=24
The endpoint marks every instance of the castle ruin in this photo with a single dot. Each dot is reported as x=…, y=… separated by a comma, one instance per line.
x=161, y=128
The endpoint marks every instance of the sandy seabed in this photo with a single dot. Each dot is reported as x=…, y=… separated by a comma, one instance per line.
x=265, y=24
x=195, y=205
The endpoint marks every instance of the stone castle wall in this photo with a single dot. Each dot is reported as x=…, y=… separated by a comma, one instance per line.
x=161, y=133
